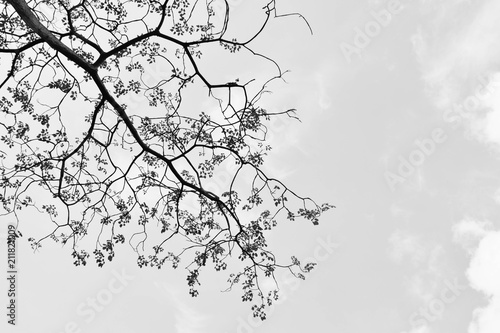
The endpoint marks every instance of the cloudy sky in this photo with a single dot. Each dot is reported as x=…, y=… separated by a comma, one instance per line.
x=400, y=109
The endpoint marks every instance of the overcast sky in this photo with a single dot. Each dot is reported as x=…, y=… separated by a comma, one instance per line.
x=400, y=109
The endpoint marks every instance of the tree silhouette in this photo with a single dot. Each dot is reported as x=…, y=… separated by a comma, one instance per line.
x=115, y=119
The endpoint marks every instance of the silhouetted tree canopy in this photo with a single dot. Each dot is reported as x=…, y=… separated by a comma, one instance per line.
x=115, y=117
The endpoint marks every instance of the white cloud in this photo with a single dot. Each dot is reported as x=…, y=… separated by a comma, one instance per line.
x=323, y=79
x=405, y=245
x=484, y=269
x=447, y=49
x=457, y=45
x=496, y=196
x=492, y=126
x=469, y=233
x=483, y=272
x=424, y=257
x=485, y=320
x=421, y=329
x=400, y=213
x=484, y=121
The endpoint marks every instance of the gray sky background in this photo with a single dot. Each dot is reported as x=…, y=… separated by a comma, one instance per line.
x=400, y=130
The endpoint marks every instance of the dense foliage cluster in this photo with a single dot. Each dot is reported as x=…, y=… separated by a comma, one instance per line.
x=105, y=131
